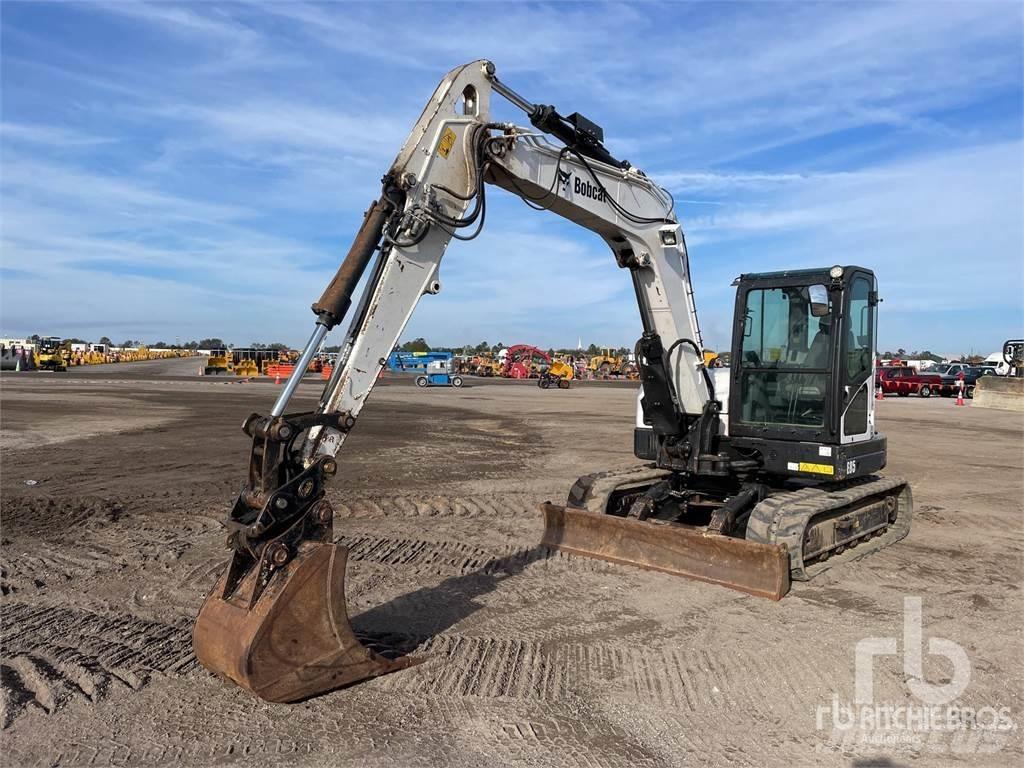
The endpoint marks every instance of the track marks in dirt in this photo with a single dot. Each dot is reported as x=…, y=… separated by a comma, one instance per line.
x=457, y=558
x=52, y=655
x=43, y=566
x=421, y=505
x=31, y=515
x=684, y=679
x=585, y=741
x=444, y=556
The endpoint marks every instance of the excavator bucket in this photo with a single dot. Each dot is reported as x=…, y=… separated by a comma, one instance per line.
x=757, y=569
x=294, y=641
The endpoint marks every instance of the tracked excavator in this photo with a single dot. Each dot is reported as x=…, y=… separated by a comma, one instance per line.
x=750, y=476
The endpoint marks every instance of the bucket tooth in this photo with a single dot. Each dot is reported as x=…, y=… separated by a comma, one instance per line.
x=295, y=640
x=757, y=569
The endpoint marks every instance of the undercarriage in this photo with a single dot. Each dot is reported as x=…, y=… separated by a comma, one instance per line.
x=776, y=530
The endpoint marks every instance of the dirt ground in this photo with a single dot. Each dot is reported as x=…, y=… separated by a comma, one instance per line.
x=115, y=480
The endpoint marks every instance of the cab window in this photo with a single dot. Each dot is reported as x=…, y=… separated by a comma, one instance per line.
x=786, y=355
x=858, y=356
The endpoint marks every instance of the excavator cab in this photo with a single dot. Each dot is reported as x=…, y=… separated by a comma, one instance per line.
x=802, y=378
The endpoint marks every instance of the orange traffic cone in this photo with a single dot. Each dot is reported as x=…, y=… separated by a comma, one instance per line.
x=960, y=396
x=879, y=394
x=277, y=378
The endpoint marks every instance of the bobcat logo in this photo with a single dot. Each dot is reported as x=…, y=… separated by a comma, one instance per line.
x=564, y=177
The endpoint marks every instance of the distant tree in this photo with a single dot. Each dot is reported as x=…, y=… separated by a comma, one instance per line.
x=159, y=345
x=75, y=341
x=277, y=346
x=34, y=338
x=213, y=343
x=333, y=348
x=901, y=352
x=127, y=343
x=106, y=340
x=416, y=345
x=593, y=349
x=482, y=347
x=497, y=348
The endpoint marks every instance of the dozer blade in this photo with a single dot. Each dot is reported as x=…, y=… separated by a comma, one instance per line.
x=295, y=640
x=757, y=569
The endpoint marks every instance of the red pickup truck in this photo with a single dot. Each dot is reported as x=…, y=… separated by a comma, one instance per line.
x=904, y=381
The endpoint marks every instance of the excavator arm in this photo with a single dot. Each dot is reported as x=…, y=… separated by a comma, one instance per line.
x=276, y=623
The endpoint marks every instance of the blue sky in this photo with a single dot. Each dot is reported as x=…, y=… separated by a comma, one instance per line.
x=185, y=170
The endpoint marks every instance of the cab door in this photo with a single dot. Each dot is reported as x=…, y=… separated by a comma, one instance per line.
x=857, y=355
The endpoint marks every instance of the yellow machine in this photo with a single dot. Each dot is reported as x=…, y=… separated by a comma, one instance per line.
x=558, y=373
x=485, y=365
x=606, y=364
x=52, y=354
x=218, y=363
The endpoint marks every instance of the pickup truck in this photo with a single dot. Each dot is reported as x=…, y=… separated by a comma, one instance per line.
x=948, y=369
x=950, y=383
x=903, y=380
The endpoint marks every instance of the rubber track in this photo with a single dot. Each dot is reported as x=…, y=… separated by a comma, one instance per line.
x=592, y=491
x=784, y=517
x=53, y=655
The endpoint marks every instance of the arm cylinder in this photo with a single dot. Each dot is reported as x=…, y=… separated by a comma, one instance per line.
x=337, y=297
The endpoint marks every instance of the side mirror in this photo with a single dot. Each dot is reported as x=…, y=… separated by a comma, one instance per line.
x=818, y=295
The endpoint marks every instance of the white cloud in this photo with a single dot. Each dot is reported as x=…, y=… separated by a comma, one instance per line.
x=48, y=135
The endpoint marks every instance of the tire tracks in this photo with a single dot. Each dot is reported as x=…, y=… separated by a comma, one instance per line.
x=458, y=558
x=423, y=505
x=52, y=655
x=682, y=679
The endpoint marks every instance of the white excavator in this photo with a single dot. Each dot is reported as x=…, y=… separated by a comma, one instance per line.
x=751, y=476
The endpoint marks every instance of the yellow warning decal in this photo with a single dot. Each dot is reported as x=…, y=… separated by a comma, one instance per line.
x=444, y=147
x=821, y=469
